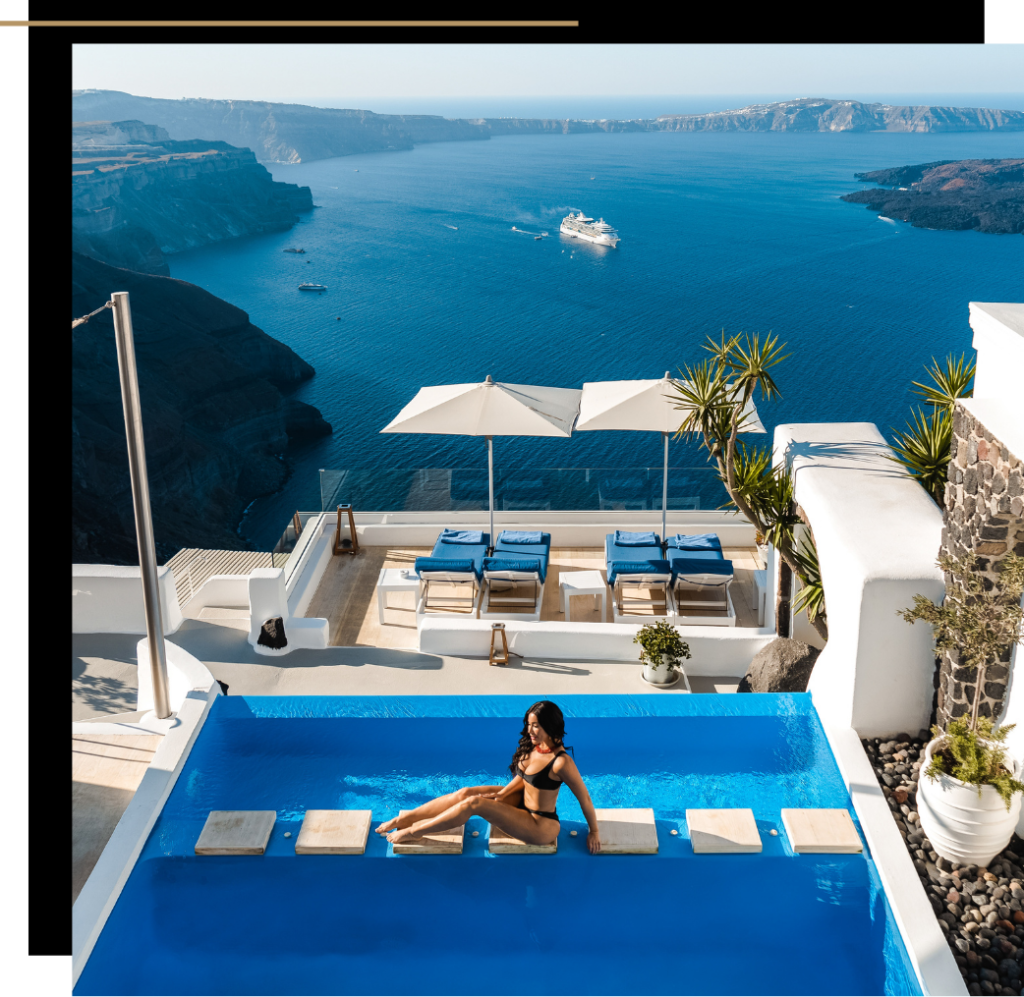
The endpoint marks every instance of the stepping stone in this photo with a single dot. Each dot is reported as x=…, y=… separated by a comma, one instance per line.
x=236, y=832
x=333, y=832
x=440, y=843
x=812, y=830
x=627, y=832
x=721, y=831
x=500, y=842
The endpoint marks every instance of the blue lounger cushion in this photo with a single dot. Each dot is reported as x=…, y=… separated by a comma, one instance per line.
x=462, y=551
x=696, y=566
x=475, y=537
x=520, y=537
x=453, y=564
x=653, y=566
x=695, y=541
x=541, y=551
x=614, y=552
x=532, y=564
x=623, y=538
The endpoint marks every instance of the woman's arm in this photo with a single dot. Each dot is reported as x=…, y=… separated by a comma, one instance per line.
x=565, y=769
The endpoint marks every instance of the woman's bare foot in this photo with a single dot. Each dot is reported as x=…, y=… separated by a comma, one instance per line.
x=401, y=834
x=388, y=825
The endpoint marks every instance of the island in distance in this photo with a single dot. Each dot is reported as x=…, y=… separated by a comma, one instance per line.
x=986, y=195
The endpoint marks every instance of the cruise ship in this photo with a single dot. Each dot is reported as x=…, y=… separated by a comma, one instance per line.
x=579, y=226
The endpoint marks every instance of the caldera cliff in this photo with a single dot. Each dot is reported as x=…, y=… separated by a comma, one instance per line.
x=217, y=420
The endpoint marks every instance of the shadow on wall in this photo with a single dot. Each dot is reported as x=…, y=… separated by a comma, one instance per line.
x=866, y=454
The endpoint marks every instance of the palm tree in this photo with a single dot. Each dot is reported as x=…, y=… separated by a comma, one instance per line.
x=713, y=395
x=923, y=447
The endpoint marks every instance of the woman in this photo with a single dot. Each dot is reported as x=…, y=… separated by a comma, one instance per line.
x=525, y=808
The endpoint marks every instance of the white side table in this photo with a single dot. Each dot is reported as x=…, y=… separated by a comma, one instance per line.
x=394, y=580
x=572, y=583
x=760, y=594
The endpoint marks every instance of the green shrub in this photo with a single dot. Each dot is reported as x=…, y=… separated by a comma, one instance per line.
x=661, y=638
x=975, y=756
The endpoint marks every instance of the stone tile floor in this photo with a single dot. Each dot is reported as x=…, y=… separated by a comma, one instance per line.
x=978, y=909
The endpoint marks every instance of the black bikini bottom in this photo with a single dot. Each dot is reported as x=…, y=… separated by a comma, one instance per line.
x=550, y=814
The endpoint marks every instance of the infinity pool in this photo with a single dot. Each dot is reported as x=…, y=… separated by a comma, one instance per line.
x=671, y=923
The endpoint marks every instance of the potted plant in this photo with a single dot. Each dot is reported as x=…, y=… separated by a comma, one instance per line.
x=662, y=651
x=968, y=796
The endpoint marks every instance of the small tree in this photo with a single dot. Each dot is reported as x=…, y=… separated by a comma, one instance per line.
x=715, y=398
x=979, y=621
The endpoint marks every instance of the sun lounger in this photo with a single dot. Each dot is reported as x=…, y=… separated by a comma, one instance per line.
x=701, y=577
x=513, y=578
x=456, y=560
x=634, y=561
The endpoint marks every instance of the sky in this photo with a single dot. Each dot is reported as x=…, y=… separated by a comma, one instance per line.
x=340, y=75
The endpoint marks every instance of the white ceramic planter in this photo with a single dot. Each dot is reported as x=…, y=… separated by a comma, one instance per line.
x=659, y=674
x=962, y=826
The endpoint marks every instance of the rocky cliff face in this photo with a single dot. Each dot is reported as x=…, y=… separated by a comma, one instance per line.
x=295, y=133
x=986, y=195
x=816, y=114
x=137, y=195
x=216, y=421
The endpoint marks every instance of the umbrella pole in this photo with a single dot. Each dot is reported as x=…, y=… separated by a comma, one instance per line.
x=664, y=493
x=490, y=482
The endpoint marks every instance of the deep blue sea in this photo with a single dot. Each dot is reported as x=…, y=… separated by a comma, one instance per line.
x=429, y=284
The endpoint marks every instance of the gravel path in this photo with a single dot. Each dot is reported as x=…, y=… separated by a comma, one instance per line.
x=979, y=910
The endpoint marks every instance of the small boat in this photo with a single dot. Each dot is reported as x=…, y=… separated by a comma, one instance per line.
x=312, y=287
x=537, y=238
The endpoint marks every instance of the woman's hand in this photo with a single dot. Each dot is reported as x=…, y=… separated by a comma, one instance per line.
x=594, y=842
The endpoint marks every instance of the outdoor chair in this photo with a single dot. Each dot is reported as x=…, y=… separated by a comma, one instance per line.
x=634, y=561
x=701, y=577
x=513, y=578
x=456, y=560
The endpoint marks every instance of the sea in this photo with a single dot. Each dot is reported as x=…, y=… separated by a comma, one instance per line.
x=435, y=276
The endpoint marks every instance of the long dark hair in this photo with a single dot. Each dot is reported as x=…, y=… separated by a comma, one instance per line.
x=550, y=718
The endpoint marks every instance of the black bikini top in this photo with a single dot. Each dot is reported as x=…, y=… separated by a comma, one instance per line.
x=541, y=779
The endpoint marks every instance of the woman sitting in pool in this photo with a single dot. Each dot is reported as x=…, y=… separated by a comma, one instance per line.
x=525, y=808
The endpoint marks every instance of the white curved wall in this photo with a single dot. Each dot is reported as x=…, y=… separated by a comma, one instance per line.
x=878, y=535
x=107, y=599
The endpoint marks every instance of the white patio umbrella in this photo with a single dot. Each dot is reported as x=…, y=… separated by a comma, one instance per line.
x=489, y=408
x=645, y=406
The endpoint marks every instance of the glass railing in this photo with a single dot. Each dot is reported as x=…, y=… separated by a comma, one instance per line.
x=281, y=555
x=436, y=489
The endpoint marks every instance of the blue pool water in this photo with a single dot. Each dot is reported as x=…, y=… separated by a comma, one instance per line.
x=671, y=923
x=741, y=231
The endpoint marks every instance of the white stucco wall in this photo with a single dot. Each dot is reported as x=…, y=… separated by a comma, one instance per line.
x=878, y=536
x=107, y=599
x=714, y=650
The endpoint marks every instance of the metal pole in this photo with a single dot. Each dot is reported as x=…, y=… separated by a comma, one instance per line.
x=490, y=482
x=140, y=499
x=664, y=492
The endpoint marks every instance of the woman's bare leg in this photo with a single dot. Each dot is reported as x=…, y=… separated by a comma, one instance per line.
x=433, y=808
x=519, y=823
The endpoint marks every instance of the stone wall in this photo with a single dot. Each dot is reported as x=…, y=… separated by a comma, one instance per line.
x=984, y=514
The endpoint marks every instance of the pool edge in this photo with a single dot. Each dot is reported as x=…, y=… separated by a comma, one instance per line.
x=117, y=860
x=933, y=962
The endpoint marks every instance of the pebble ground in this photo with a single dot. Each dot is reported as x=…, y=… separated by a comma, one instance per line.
x=978, y=909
